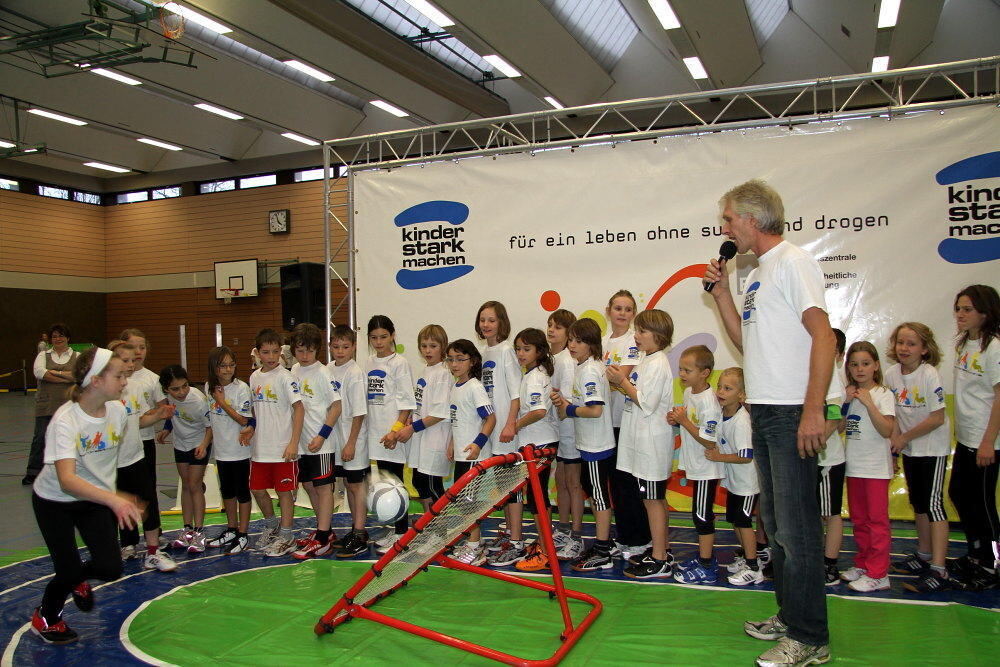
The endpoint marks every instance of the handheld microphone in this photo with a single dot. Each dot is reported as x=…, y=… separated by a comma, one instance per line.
x=726, y=252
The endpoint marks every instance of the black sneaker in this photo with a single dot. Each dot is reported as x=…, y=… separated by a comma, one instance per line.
x=912, y=564
x=929, y=583
x=353, y=544
x=962, y=567
x=57, y=633
x=222, y=539
x=982, y=579
x=238, y=544
x=592, y=559
x=650, y=569
x=832, y=575
x=83, y=596
x=638, y=558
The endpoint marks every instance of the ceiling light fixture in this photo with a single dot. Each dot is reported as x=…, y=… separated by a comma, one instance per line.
x=218, y=111
x=120, y=78
x=431, y=12
x=385, y=106
x=7, y=144
x=553, y=102
x=665, y=13
x=160, y=144
x=299, y=138
x=505, y=67
x=880, y=63
x=107, y=167
x=57, y=116
x=310, y=70
x=888, y=12
x=195, y=17
x=696, y=68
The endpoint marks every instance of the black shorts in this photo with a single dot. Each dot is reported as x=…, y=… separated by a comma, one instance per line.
x=702, y=504
x=234, y=480
x=136, y=479
x=462, y=467
x=596, y=479
x=317, y=469
x=188, y=457
x=925, y=483
x=352, y=476
x=651, y=489
x=739, y=510
x=830, y=489
x=560, y=459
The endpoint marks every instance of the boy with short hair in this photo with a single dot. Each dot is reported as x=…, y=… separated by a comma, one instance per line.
x=699, y=418
x=352, y=443
x=274, y=435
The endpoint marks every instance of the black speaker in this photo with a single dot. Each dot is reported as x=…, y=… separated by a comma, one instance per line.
x=302, y=295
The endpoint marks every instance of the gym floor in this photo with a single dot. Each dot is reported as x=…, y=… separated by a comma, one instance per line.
x=247, y=609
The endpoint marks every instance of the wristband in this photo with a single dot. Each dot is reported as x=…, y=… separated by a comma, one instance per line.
x=418, y=426
x=325, y=430
x=168, y=425
x=396, y=427
x=480, y=440
x=252, y=422
x=571, y=410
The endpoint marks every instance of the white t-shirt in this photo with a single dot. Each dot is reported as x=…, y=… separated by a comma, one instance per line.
x=868, y=453
x=645, y=444
x=917, y=395
x=590, y=387
x=501, y=379
x=226, y=430
x=776, y=345
x=535, y=393
x=150, y=392
x=274, y=394
x=190, y=420
x=318, y=393
x=429, y=448
x=131, y=450
x=470, y=405
x=834, y=452
x=562, y=379
x=93, y=442
x=976, y=374
x=390, y=390
x=620, y=351
x=736, y=437
x=349, y=382
x=704, y=411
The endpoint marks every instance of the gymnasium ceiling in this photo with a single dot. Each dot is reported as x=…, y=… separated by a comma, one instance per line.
x=575, y=51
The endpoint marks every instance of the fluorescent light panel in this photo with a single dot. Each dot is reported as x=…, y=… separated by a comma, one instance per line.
x=159, y=144
x=505, y=67
x=120, y=78
x=385, y=106
x=107, y=167
x=696, y=68
x=57, y=116
x=431, y=12
x=880, y=63
x=665, y=13
x=309, y=69
x=218, y=111
x=195, y=17
x=888, y=12
x=553, y=102
x=7, y=144
x=299, y=138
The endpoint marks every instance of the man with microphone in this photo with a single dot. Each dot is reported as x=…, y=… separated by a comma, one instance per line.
x=784, y=333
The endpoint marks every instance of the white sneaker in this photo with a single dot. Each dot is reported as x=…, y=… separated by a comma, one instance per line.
x=625, y=551
x=267, y=535
x=560, y=537
x=182, y=541
x=790, y=653
x=383, y=544
x=197, y=543
x=853, y=574
x=222, y=539
x=866, y=584
x=159, y=561
x=738, y=565
x=764, y=556
x=571, y=550
x=128, y=552
x=470, y=555
x=280, y=547
x=746, y=577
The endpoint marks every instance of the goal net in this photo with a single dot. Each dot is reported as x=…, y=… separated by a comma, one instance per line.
x=485, y=488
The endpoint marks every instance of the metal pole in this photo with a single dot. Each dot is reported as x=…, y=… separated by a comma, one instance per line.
x=218, y=334
x=184, y=352
x=352, y=305
x=327, y=257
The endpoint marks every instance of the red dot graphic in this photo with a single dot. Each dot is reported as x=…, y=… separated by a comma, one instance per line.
x=550, y=300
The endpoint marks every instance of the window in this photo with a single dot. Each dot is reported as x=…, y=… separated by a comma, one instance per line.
x=167, y=193
x=131, y=197
x=49, y=191
x=314, y=174
x=87, y=197
x=217, y=186
x=258, y=181
x=7, y=184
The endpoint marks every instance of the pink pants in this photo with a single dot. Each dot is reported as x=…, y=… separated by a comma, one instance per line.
x=868, y=500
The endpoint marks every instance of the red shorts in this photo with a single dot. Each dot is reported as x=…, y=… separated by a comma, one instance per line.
x=280, y=476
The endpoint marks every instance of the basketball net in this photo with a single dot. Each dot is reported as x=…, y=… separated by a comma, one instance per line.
x=482, y=490
x=171, y=24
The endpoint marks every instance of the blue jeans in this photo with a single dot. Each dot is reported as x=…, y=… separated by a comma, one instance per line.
x=790, y=511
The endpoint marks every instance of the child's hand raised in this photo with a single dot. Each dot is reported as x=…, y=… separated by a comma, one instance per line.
x=219, y=395
x=614, y=373
x=245, y=435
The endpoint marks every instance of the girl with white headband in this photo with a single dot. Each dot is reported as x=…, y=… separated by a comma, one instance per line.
x=75, y=491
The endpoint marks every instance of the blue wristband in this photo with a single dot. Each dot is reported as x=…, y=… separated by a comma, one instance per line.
x=252, y=422
x=418, y=426
x=325, y=430
x=481, y=440
x=168, y=425
x=571, y=410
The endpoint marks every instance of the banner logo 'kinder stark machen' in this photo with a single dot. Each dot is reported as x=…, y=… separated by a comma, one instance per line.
x=432, y=253
x=973, y=209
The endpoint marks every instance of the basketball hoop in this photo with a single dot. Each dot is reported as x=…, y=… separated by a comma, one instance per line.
x=229, y=294
x=171, y=24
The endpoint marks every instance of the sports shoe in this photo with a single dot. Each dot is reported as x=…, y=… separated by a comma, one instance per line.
x=497, y=543
x=183, y=540
x=383, y=544
x=929, y=583
x=560, y=537
x=699, y=574
x=56, y=633
x=764, y=555
x=508, y=555
x=159, y=561
x=688, y=564
x=790, y=653
x=470, y=555
x=535, y=560
x=83, y=596
x=769, y=629
x=628, y=551
x=267, y=535
x=649, y=568
x=570, y=550
x=313, y=549
x=237, y=545
x=832, y=575
x=591, y=560
x=280, y=547
x=912, y=564
x=746, y=577
x=978, y=578
x=853, y=574
x=354, y=544
x=197, y=544
x=963, y=566
x=866, y=584
x=302, y=541
x=222, y=539
x=635, y=559
x=128, y=552
x=738, y=565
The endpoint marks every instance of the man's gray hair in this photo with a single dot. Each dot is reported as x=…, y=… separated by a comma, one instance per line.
x=760, y=201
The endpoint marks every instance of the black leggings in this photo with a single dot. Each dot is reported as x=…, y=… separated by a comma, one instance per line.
x=396, y=469
x=58, y=523
x=428, y=486
x=973, y=490
x=135, y=479
x=36, y=455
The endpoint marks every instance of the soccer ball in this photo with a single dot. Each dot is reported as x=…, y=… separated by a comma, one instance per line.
x=388, y=500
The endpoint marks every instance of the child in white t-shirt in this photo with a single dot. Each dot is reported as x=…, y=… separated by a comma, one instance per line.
x=832, y=464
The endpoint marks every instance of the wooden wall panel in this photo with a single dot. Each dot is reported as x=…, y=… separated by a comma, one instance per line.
x=55, y=236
